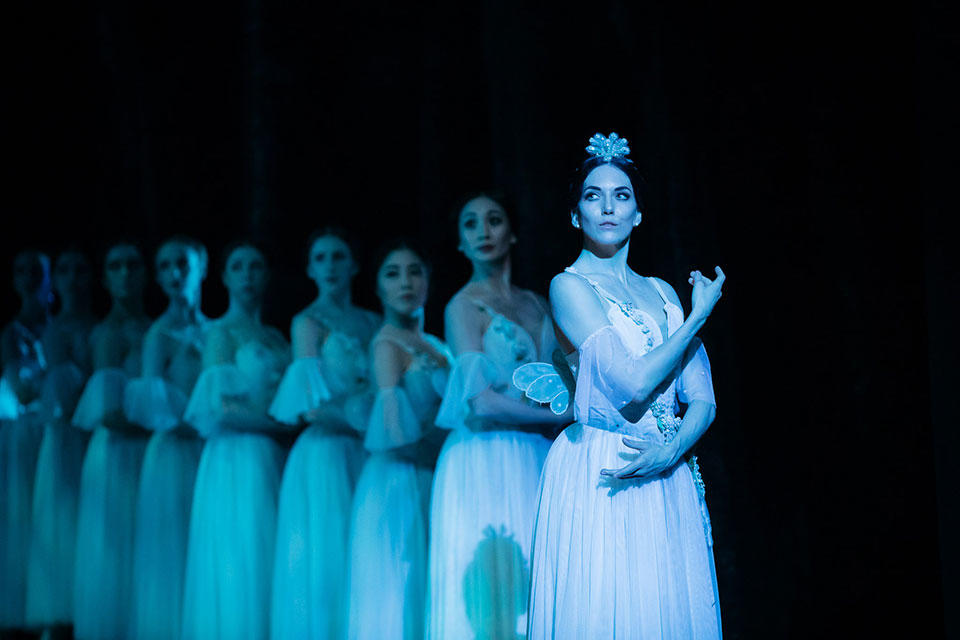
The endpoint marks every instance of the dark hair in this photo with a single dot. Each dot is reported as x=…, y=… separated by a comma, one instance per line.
x=499, y=196
x=398, y=244
x=336, y=232
x=121, y=241
x=187, y=241
x=236, y=244
x=591, y=163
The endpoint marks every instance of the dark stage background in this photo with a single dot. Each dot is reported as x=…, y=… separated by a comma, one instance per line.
x=790, y=143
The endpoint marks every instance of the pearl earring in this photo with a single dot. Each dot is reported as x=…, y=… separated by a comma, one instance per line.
x=575, y=221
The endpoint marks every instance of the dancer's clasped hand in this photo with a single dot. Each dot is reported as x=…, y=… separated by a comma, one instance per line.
x=654, y=458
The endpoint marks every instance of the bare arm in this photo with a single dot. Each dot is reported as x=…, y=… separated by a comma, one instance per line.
x=305, y=335
x=155, y=356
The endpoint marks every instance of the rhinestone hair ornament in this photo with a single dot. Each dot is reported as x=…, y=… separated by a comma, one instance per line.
x=608, y=148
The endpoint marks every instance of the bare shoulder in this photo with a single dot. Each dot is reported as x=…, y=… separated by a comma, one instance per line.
x=389, y=361
x=462, y=306
x=566, y=286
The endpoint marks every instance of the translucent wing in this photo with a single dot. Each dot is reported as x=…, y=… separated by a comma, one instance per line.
x=541, y=383
x=523, y=376
x=559, y=404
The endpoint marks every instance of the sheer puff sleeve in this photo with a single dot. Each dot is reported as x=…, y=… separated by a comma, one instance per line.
x=472, y=374
x=695, y=381
x=302, y=389
x=223, y=400
x=154, y=403
x=102, y=396
x=609, y=375
x=393, y=422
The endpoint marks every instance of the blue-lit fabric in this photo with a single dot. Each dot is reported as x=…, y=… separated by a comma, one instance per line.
x=389, y=522
x=103, y=575
x=484, y=495
x=56, y=495
x=154, y=403
x=20, y=436
x=230, y=549
x=621, y=559
x=166, y=489
x=317, y=489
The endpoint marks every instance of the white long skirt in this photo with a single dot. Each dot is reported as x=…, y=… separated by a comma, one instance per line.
x=313, y=521
x=53, y=545
x=103, y=577
x=231, y=545
x=388, y=550
x=619, y=559
x=482, y=514
x=19, y=447
x=160, y=541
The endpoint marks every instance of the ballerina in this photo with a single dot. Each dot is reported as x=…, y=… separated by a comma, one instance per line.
x=326, y=388
x=622, y=546
x=172, y=360
x=24, y=364
x=226, y=591
x=66, y=343
x=103, y=576
x=388, y=531
x=485, y=487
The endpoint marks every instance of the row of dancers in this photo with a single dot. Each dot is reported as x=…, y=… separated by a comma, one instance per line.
x=197, y=478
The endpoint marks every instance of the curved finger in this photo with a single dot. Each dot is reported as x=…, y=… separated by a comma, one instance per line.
x=634, y=443
x=721, y=276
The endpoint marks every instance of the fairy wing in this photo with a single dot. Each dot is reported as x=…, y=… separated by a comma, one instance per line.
x=541, y=382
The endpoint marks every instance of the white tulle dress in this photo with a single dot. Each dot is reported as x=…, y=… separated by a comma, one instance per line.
x=389, y=523
x=56, y=494
x=623, y=559
x=310, y=573
x=103, y=574
x=20, y=434
x=165, y=495
x=233, y=518
x=484, y=496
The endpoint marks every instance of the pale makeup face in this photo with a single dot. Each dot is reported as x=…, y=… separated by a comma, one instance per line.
x=607, y=211
x=331, y=265
x=123, y=272
x=180, y=271
x=245, y=275
x=402, y=282
x=71, y=274
x=485, y=233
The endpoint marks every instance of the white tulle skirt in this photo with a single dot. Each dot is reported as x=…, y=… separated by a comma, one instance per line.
x=160, y=539
x=388, y=550
x=310, y=572
x=19, y=447
x=232, y=534
x=619, y=559
x=53, y=544
x=103, y=576
x=482, y=514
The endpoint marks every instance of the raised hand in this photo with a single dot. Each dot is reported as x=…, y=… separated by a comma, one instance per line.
x=706, y=292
